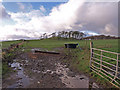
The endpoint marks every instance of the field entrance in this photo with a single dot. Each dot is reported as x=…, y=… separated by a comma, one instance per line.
x=106, y=64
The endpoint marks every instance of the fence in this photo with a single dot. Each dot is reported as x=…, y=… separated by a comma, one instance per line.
x=106, y=64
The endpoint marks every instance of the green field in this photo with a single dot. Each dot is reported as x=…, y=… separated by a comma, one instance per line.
x=78, y=59
x=110, y=45
x=6, y=44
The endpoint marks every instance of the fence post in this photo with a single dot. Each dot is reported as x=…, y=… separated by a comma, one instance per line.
x=116, y=68
x=91, y=52
x=101, y=61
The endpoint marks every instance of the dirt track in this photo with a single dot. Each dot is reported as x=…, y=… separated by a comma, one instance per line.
x=37, y=70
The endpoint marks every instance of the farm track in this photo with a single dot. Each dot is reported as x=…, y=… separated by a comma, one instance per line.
x=41, y=70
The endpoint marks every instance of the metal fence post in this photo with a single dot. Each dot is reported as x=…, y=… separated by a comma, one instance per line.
x=116, y=68
x=91, y=52
x=101, y=61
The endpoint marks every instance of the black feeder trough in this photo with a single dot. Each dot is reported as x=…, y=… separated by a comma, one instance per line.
x=70, y=45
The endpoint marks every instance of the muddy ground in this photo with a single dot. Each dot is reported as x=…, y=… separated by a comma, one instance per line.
x=42, y=70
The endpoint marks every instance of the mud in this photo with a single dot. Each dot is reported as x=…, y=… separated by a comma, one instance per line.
x=41, y=70
x=17, y=79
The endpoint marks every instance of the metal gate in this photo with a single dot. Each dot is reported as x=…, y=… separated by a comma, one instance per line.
x=106, y=64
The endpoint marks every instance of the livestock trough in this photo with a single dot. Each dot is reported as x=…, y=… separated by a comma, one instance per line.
x=67, y=45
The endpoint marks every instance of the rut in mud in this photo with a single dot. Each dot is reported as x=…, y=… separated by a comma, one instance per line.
x=41, y=70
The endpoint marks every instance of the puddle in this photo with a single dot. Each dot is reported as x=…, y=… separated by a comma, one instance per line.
x=48, y=71
x=70, y=79
x=16, y=66
x=36, y=71
x=77, y=81
x=23, y=80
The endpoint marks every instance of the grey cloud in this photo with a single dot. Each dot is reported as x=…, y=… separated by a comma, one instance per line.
x=17, y=37
x=100, y=17
x=4, y=14
x=97, y=16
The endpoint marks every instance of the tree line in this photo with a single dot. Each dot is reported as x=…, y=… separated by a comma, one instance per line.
x=75, y=35
x=64, y=34
x=96, y=37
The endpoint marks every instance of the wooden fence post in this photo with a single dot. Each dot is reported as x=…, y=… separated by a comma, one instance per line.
x=91, y=52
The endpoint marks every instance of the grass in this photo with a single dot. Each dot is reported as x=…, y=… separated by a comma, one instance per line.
x=0, y=69
x=78, y=59
x=6, y=44
x=4, y=68
x=111, y=45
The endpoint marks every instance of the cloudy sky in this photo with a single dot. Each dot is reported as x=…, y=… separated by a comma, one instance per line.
x=30, y=20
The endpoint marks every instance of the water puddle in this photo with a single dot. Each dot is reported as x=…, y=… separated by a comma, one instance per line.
x=74, y=81
x=23, y=80
x=69, y=78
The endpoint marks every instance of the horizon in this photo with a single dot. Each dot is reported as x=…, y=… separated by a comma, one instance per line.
x=51, y=37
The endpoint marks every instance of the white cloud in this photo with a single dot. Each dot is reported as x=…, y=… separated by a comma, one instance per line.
x=74, y=15
x=110, y=28
x=23, y=17
x=42, y=9
x=10, y=32
x=21, y=6
x=25, y=7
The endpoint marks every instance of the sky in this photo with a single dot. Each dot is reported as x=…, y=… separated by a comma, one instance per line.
x=28, y=20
